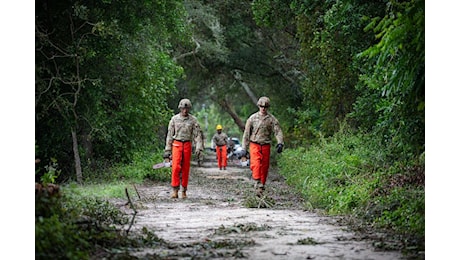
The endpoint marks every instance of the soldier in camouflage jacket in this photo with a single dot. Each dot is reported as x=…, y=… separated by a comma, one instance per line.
x=259, y=130
x=183, y=128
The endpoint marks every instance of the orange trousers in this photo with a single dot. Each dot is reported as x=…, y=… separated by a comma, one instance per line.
x=181, y=157
x=221, y=156
x=260, y=161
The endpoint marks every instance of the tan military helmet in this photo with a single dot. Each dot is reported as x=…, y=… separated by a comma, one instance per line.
x=264, y=101
x=185, y=103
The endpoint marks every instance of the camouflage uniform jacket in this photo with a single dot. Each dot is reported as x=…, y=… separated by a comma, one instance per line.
x=184, y=129
x=220, y=139
x=260, y=128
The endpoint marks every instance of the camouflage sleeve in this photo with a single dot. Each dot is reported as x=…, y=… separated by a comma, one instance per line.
x=198, y=137
x=278, y=132
x=246, y=134
x=214, y=140
x=169, y=136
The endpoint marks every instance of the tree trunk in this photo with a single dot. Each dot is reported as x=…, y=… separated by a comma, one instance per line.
x=229, y=109
x=76, y=156
x=247, y=89
x=86, y=142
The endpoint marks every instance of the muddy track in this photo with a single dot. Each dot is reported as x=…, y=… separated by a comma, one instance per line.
x=221, y=219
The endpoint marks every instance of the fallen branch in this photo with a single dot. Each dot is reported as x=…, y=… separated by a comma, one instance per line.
x=135, y=211
x=137, y=192
x=262, y=201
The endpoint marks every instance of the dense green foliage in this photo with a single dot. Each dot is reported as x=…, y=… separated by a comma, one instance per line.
x=331, y=34
x=349, y=174
x=136, y=171
x=362, y=60
x=393, y=85
x=101, y=75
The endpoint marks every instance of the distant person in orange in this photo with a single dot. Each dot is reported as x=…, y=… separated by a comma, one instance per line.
x=219, y=143
x=258, y=132
x=182, y=129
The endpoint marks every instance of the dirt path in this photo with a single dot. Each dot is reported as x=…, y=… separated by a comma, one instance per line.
x=217, y=222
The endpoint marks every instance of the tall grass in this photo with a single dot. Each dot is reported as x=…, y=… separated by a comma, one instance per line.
x=137, y=171
x=141, y=168
x=349, y=173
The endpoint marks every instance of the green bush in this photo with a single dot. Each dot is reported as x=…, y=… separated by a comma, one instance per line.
x=69, y=227
x=336, y=173
x=58, y=239
x=141, y=168
x=403, y=210
x=74, y=225
x=352, y=173
x=79, y=224
x=138, y=170
x=398, y=199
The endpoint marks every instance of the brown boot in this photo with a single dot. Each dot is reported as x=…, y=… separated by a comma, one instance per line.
x=184, y=193
x=175, y=194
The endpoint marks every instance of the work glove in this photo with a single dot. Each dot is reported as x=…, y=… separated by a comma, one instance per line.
x=167, y=155
x=279, y=148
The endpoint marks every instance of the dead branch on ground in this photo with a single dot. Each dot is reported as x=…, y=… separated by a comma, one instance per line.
x=135, y=211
